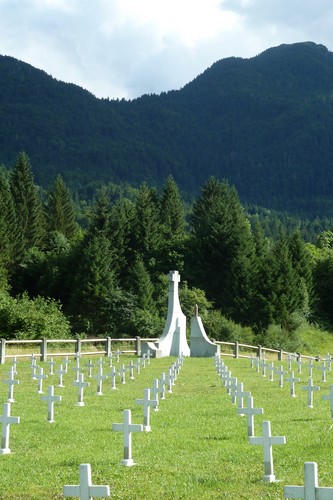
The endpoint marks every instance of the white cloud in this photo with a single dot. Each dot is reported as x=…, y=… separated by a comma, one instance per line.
x=125, y=48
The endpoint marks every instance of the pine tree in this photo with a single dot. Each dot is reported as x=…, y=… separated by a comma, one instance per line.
x=300, y=259
x=60, y=210
x=28, y=207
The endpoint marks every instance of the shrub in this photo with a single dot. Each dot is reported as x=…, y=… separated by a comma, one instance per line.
x=25, y=318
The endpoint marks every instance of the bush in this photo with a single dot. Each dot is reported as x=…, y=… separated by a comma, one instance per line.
x=25, y=318
x=220, y=328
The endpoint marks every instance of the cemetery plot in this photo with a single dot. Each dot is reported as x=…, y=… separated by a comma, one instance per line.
x=198, y=446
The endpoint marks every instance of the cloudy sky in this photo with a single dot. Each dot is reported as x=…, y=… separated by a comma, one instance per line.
x=127, y=48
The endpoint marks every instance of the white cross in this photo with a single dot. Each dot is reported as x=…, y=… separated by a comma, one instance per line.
x=155, y=390
x=310, y=388
x=131, y=370
x=100, y=377
x=77, y=369
x=11, y=382
x=250, y=412
x=81, y=384
x=292, y=381
x=231, y=385
x=127, y=428
x=66, y=362
x=162, y=385
x=90, y=365
x=15, y=362
x=240, y=393
x=122, y=371
x=138, y=366
x=113, y=375
x=329, y=397
x=40, y=377
x=310, y=365
x=60, y=372
x=299, y=364
x=6, y=420
x=147, y=403
x=271, y=370
x=85, y=490
x=117, y=353
x=280, y=372
x=267, y=440
x=169, y=380
x=310, y=490
x=33, y=366
x=323, y=370
x=50, y=398
x=51, y=363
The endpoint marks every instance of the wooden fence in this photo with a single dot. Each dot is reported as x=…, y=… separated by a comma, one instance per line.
x=105, y=346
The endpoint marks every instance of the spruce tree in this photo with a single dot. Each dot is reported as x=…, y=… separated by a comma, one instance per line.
x=28, y=207
x=221, y=249
x=60, y=210
x=172, y=210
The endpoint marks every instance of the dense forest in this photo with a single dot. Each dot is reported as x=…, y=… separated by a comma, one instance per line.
x=59, y=277
x=265, y=124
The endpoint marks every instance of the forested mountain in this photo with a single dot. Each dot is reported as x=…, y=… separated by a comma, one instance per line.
x=264, y=123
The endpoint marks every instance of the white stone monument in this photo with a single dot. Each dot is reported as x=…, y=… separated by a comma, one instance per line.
x=173, y=340
x=201, y=346
x=50, y=398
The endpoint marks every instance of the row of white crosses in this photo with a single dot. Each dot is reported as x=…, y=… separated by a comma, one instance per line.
x=37, y=372
x=235, y=389
x=311, y=489
x=127, y=427
x=310, y=388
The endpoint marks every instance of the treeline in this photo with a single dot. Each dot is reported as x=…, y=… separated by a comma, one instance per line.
x=58, y=278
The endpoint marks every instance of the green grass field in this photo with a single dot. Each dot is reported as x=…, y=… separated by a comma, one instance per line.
x=198, y=447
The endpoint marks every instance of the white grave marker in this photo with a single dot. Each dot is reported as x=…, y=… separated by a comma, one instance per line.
x=51, y=364
x=250, y=412
x=310, y=490
x=6, y=420
x=113, y=374
x=127, y=428
x=11, y=382
x=280, y=372
x=40, y=377
x=90, y=366
x=310, y=388
x=50, y=398
x=329, y=397
x=122, y=372
x=85, y=490
x=80, y=385
x=292, y=379
x=267, y=440
x=100, y=377
x=60, y=372
x=147, y=403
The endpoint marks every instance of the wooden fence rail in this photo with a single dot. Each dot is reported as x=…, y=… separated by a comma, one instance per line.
x=104, y=346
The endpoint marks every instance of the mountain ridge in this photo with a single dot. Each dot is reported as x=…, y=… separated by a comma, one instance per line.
x=264, y=123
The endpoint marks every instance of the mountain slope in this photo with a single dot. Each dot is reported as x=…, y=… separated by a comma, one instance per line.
x=264, y=123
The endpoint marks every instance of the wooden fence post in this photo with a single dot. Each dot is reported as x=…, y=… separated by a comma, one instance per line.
x=108, y=347
x=43, y=350
x=280, y=355
x=236, y=350
x=2, y=351
x=78, y=347
x=138, y=346
x=259, y=351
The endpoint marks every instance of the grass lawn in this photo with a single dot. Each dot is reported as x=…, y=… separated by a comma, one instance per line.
x=198, y=447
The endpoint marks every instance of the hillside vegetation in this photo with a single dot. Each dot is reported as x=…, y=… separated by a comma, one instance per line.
x=264, y=124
